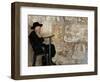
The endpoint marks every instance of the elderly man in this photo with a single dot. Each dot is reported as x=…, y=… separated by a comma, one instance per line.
x=38, y=46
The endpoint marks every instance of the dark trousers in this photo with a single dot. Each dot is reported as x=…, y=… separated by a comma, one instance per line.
x=46, y=50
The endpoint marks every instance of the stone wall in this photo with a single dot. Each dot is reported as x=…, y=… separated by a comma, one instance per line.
x=70, y=37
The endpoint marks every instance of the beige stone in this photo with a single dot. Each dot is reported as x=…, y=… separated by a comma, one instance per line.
x=70, y=40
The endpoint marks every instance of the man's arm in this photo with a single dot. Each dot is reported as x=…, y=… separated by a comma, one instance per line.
x=48, y=36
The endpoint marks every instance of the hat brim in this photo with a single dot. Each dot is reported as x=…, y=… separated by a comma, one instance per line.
x=33, y=27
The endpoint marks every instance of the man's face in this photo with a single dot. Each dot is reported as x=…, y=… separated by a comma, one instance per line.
x=38, y=29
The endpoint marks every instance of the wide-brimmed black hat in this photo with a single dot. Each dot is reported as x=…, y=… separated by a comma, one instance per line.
x=35, y=24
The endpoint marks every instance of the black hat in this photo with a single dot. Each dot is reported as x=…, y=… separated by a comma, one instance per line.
x=36, y=24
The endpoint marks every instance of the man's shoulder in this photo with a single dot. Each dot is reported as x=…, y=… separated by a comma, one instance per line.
x=32, y=34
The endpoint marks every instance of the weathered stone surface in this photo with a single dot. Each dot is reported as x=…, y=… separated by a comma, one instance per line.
x=70, y=40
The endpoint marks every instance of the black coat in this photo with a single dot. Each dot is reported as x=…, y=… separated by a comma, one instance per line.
x=38, y=45
x=36, y=42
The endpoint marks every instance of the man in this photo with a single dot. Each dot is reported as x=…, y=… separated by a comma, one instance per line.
x=38, y=46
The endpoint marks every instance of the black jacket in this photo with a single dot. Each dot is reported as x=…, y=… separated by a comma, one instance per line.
x=36, y=42
x=38, y=46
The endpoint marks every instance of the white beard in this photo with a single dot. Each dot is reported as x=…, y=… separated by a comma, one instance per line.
x=39, y=35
